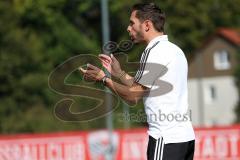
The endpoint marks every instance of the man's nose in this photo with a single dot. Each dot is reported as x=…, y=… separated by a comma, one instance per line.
x=128, y=29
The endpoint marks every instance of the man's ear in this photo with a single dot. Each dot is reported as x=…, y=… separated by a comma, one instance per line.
x=147, y=25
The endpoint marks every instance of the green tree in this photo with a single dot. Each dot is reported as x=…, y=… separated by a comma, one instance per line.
x=35, y=37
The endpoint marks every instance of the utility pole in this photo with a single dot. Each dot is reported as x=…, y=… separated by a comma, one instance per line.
x=106, y=38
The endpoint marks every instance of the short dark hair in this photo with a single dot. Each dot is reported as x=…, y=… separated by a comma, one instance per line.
x=150, y=11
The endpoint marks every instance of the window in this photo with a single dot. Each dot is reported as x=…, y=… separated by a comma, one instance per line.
x=221, y=60
x=210, y=94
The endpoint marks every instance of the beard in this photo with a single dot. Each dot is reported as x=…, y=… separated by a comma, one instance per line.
x=138, y=38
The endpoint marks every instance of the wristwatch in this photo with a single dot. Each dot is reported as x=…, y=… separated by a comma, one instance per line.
x=104, y=80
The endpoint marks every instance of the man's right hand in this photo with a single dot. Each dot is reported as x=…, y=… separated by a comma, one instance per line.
x=111, y=64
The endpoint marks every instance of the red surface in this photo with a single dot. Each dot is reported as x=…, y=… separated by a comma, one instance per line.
x=218, y=143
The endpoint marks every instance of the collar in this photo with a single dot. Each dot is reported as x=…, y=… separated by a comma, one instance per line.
x=158, y=38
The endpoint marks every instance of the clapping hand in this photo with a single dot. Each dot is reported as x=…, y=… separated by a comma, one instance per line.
x=92, y=73
x=111, y=64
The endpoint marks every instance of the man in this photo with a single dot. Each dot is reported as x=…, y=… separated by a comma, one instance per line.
x=163, y=69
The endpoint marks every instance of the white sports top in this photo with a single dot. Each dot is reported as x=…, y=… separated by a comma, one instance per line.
x=163, y=69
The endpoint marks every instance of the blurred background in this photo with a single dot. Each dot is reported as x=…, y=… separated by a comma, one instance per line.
x=38, y=35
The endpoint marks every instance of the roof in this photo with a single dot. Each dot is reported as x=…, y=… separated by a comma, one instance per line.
x=229, y=34
x=232, y=35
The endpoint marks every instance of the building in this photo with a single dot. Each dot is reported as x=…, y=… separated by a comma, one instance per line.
x=212, y=91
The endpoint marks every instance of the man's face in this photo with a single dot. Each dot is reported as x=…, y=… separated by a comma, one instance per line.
x=135, y=29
